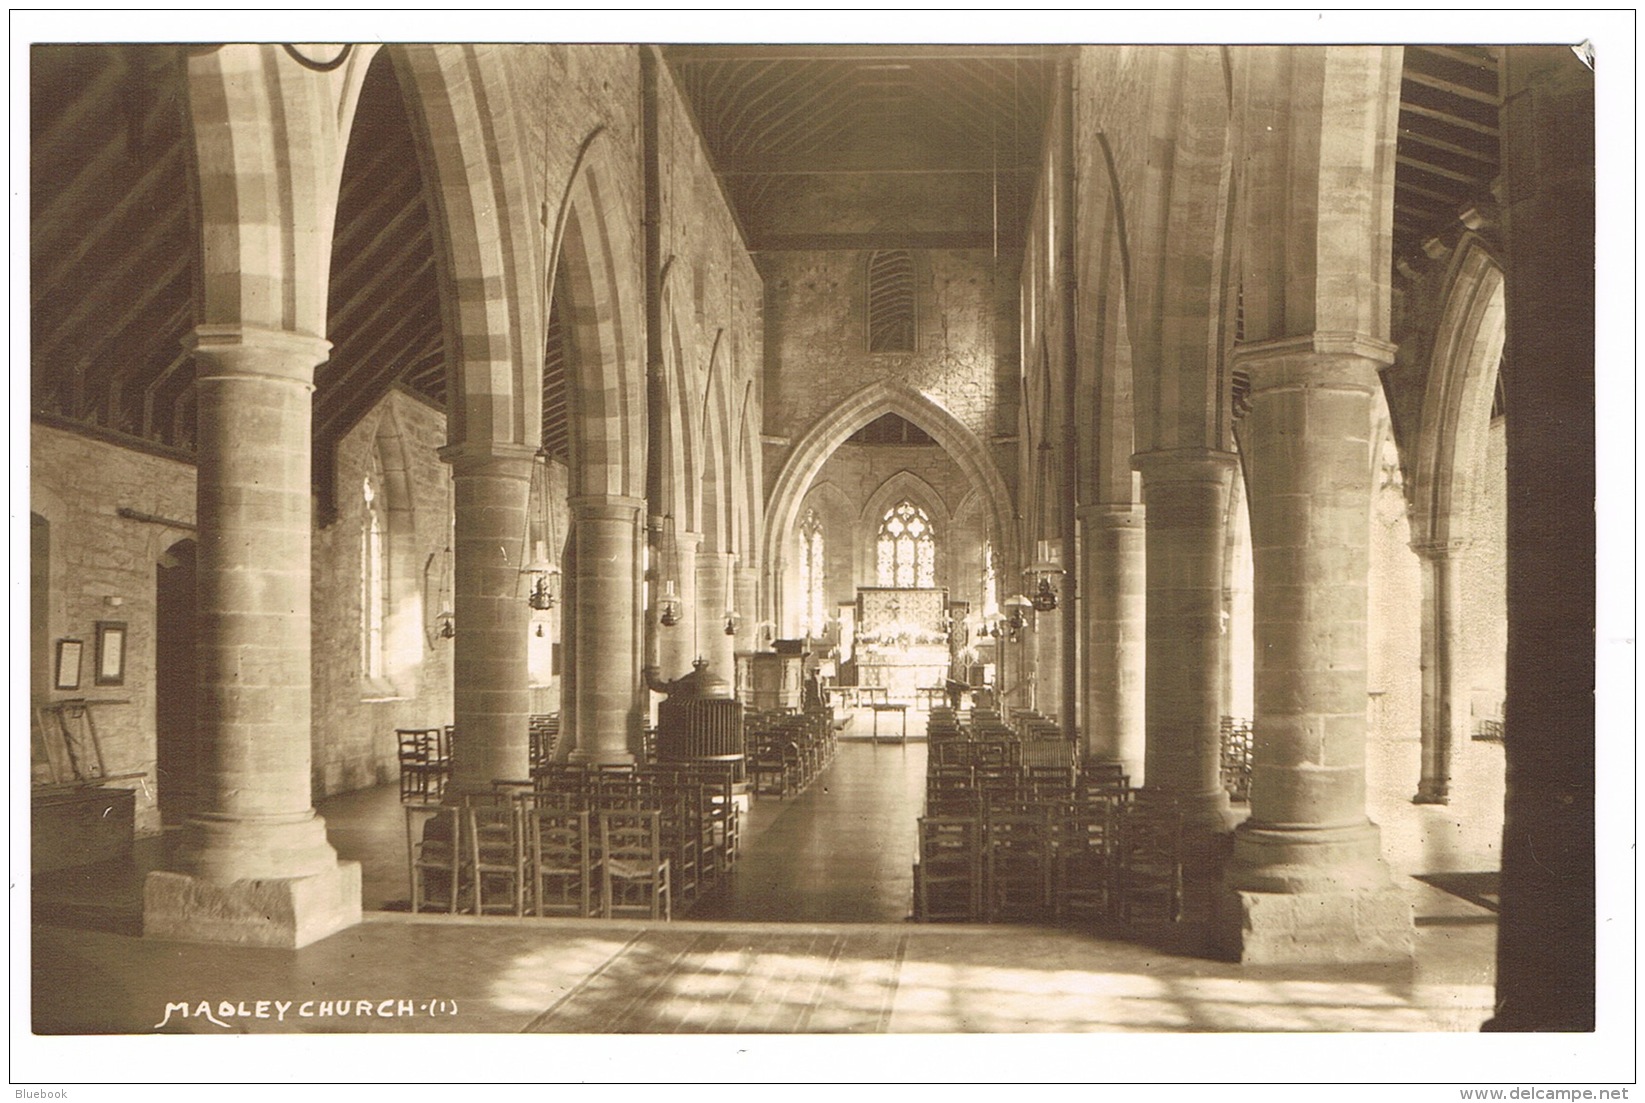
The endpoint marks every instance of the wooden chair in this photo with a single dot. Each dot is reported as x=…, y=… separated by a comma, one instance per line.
x=681, y=841
x=1016, y=865
x=634, y=873
x=1150, y=863
x=438, y=743
x=433, y=856
x=496, y=852
x=948, y=878
x=560, y=862
x=412, y=759
x=1083, y=873
x=768, y=773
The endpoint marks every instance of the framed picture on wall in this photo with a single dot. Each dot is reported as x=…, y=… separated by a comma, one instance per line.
x=68, y=663
x=111, y=653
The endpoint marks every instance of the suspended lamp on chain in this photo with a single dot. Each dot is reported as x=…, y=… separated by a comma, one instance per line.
x=542, y=568
x=1047, y=563
x=668, y=606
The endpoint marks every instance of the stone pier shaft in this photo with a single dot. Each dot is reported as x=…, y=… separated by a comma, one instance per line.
x=255, y=866
x=1306, y=882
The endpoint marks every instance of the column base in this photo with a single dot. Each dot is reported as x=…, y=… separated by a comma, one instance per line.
x=1432, y=793
x=1207, y=811
x=1312, y=895
x=1316, y=928
x=289, y=913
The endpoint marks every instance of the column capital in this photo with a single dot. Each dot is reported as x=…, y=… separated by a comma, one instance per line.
x=490, y=457
x=605, y=507
x=242, y=350
x=1113, y=515
x=1440, y=549
x=1185, y=465
x=1325, y=343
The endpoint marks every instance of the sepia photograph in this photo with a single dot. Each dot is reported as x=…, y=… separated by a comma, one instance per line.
x=633, y=525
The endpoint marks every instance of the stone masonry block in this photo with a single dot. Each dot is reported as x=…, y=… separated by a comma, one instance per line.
x=287, y=913
x=1316, y=928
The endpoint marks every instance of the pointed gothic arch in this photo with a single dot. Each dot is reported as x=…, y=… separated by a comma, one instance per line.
x=969, y=453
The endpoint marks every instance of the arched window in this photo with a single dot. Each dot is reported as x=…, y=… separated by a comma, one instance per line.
x=373, y=581
x=907, y=550
x=813, y=616
x=891, y=302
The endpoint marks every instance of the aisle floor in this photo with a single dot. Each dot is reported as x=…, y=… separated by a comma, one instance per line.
x=810, y=935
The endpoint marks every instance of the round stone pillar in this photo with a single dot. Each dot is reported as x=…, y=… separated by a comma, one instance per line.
x=604, y=651
x=1307, y=882
x=1047, y=659
x=714, y=575
x=748, y=608
x=1186, y=491
x=1444, y=713
x=254, y=866
x=677, y=644
x=491, y=683
x=1116, y=634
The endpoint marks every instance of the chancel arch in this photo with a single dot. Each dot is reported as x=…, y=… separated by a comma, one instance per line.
x=968, y=453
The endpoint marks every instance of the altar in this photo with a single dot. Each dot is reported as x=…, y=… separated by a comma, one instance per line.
x=901, y=640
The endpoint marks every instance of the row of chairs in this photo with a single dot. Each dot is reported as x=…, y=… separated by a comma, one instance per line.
x=1238, y=743
x=986, y=737
x=516, y=856
x=788, y=750
x=1002, y=843
x=425, y=755
x=701, y=819
x=1052, y=862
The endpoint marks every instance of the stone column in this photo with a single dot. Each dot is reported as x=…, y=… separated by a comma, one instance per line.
x=1545, y=939
x=714, y=574
x=604, y=650
x=1306, y=882
x=1444, y=708
x=255, y=866
x=1116, y=634
x=491, y=683
x=1047, y=659
x=1186, y=491
x=748, y=608
x=748, y=626
x=677, y=645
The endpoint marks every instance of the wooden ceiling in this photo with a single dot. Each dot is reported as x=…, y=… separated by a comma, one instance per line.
x=872, y=146
x=817, y=147
x=1447, y=150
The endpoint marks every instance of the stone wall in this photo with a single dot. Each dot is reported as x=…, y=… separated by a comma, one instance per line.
x=1484, y=585
x=1394, y=600
x=355, y=716
x=716, y=295
x=102, y=568
x=817, y=355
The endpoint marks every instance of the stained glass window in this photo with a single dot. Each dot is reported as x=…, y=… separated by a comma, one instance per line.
x=907, y=550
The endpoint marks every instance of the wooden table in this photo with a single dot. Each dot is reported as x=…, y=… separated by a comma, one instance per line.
x=853, y=696
x=890, y=706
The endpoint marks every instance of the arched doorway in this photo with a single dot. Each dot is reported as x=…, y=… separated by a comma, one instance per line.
x=175, y=682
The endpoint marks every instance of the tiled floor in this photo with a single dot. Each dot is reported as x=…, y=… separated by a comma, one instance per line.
x=810, y=936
